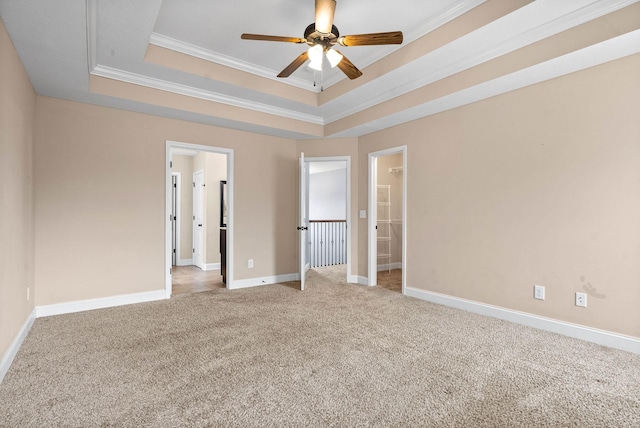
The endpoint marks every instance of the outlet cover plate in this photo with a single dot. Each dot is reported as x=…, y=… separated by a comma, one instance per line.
x=581, y=300
x=538, y=292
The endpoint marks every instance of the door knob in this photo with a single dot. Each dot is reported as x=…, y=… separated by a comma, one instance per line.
x=199, y=225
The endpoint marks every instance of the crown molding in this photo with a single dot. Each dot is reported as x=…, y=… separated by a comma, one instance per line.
x=600, y=53
x=176, y=88
x=227, y=61
x=461, y=55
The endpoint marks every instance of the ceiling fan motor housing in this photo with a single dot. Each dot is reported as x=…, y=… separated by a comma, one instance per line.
x=316, y=38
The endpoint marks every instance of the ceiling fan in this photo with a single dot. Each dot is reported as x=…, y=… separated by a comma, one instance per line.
x=321, y=36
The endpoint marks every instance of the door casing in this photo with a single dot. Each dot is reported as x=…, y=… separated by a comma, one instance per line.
x=350, y=278
x=169, y=145
x=373, y=214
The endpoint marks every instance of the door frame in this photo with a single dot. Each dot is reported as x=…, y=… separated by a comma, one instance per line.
x=169, y=146
x=373, y=214
x=350, y=278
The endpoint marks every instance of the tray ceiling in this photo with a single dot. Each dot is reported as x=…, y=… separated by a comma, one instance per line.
x=185, y=59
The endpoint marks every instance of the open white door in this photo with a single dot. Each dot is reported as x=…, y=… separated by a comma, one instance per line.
x=198, y=218
x=302, y=223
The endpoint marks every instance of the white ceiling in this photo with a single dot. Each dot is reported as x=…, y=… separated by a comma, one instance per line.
x=61, y=42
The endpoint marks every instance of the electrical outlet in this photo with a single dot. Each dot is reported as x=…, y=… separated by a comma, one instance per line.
x=250, y=263
x=538, y=292
x=581, y=300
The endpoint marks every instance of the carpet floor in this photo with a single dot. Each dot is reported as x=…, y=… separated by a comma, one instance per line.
x=333, y=355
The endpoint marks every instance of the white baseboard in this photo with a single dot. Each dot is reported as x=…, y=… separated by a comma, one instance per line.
x=356, y=279
x=106, y=302
x=212, y=266
x=185, y=262
x=10, y=354
x=266, y=280
x=601, y=337
x=389, y=266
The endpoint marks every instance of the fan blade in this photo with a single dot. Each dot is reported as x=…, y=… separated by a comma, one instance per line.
x=325, y=9
x=294, y=65
x=391, y=38
x=262, y=37
x=348, y=68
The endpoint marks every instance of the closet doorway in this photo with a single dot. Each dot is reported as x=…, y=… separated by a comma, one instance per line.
x=387, y=219
x=199, y=206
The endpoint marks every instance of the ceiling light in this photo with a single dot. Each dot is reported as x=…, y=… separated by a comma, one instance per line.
x=315, y=53
x=334, y=57
x=316, y=65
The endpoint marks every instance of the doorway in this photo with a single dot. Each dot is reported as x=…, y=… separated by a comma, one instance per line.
x=195, y=247
x=327, y=201
x=387, y=218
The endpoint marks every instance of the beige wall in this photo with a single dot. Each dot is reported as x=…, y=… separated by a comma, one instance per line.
x=17, y=118
x=537, y=186
x=339, y=147
x=104, y=169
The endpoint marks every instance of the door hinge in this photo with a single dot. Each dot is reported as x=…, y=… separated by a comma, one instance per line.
x=194, y=184
x=193, y=250
x=175, y=185
x=174, y=251
x=169, y=217
x=175, y=218
x=170, y=164
x=194, y=217
x=169, y=271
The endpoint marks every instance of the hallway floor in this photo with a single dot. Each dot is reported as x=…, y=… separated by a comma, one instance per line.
x=190, y=279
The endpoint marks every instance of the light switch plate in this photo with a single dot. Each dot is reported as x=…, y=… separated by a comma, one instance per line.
x=363, y=213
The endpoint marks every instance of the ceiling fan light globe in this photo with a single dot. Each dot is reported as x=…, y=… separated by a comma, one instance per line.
x=315, y=53
x=334, y=57
x=316, y=65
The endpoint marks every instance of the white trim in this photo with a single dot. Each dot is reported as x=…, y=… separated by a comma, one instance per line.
x=346, y=159
x=185, y=262
x=356, y=279
x=11, y=352
x=265, y=280
x=212, y=266
x=389, y=266
x=189, y=91
x=601, y=337
x=227, y=61
x=100, y=303
x=170, y=146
